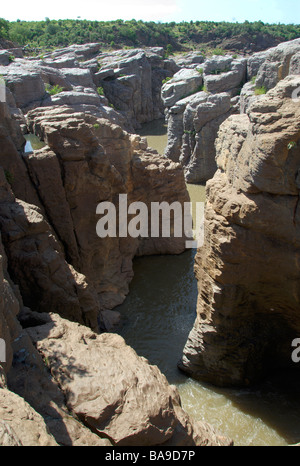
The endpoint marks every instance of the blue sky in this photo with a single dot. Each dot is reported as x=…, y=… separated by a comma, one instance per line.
x=268, y=11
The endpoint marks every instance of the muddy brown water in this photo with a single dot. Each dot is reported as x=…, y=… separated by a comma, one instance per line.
x=158, y=314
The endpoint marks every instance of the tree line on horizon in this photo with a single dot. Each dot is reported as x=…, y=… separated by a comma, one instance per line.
x=61, y=33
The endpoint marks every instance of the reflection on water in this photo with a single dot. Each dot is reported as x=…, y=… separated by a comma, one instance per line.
x=159, y=312
x=32, y=143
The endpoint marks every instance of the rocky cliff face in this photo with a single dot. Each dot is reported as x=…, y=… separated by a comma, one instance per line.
x=63, y=384
x=88, y=161
x=247, y=269
x=201, y=96
x=122, y=86
x=197, y=100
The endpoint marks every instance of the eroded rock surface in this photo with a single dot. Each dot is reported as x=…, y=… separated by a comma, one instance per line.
x=88, y=161
x=197, y=101
x=117, y=394
x=247, y=269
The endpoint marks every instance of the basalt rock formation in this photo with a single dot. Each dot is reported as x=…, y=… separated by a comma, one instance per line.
x=248, y=267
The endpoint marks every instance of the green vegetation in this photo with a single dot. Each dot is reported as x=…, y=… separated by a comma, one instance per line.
x=100, y=90
x=260, y=90
x=291, y=145
x=164, y=81
x=52, y=90
x=172, y=36
x=218, y=51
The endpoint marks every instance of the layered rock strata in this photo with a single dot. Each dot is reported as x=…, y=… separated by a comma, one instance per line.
x=242, y=79
x=123, y=86
x=248, y=267
x=88, y=161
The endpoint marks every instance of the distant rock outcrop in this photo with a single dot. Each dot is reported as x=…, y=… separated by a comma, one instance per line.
x=62, y=382
x=243, y=80
x=197, y=101
x=248, y=267
x=124, y=85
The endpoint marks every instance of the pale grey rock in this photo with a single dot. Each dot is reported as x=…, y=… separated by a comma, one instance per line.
x=182, y=84
x=295, y=64
x=247, y=96
x=26, y=85
x=193, y=124
x=132, y=81
x=79, y=52
x=62, y=62
x=78, y=77
x=255, y=61
x=201, y=125
x=277, y=64
x=226, y=81
x=4, y=58
x=78, y=96
x=189, y=60
x=217, y=63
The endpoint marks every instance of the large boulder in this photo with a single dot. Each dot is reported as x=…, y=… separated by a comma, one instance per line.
x=184, y=83
x=26, y=85
x=248, y=267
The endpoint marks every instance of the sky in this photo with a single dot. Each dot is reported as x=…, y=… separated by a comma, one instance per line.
x=268, y=11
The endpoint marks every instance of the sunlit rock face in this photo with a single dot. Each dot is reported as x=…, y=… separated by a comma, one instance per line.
x=197, y=100
x=248, y=268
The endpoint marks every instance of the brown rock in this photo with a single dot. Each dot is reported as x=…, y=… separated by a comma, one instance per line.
x=46, y=280
x=248, y=267
x=89, y=161
x=116, y=393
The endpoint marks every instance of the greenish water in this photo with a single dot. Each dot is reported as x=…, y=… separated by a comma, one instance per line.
x=32, y=143
x=156, y=134
x=159, y=312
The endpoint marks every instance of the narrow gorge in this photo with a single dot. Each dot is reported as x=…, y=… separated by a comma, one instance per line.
x=115, y=341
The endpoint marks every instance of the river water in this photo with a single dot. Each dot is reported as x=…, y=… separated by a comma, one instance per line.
x=158, y=314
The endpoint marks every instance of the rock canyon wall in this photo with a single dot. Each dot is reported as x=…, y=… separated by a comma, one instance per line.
x=248, y=266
